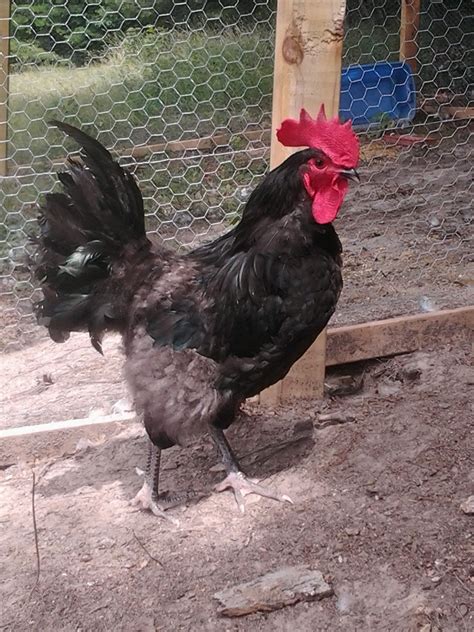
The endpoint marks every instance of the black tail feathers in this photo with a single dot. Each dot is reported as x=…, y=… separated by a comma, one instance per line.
x=90, y=234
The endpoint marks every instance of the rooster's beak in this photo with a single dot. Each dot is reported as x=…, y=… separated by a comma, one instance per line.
x=350, y=174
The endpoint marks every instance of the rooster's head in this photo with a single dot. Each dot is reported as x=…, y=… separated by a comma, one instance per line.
x=325, y=175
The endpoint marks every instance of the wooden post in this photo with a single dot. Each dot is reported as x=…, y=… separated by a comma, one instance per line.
x=409, y=25
x=308, y=59
x=4, y=52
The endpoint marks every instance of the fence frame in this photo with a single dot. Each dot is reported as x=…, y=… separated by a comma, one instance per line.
x=409, y=25
x=307, y=73
x=4, y=75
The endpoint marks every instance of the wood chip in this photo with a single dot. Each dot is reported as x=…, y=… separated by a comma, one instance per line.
x=334, y=419
x=273, y=591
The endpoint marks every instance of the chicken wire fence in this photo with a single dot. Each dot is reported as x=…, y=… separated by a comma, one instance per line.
x=182, y=92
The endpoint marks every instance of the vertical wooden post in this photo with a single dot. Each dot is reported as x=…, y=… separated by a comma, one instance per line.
x=4, y=52
x=308, y=59
x=409, y=25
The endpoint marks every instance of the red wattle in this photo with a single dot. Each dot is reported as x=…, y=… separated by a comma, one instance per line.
x=326, y=203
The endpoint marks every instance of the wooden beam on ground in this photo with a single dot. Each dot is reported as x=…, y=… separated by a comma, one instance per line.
x=409, y=25
x=393, y=336
x=307, y=73
x=57, y=438
x=4, y=74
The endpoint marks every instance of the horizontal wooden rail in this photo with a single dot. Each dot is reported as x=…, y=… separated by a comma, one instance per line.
x=171, y=147
x=4, y=77
x=392, y=336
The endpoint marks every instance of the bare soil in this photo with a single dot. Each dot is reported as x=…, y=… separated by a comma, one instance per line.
x=377, y=511
x=377, y=499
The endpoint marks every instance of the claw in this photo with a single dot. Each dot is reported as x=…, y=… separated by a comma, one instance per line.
x=144, y=500
x=243, y=486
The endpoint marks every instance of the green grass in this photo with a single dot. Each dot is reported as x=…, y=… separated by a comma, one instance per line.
x=157, y=85
x=151, y=87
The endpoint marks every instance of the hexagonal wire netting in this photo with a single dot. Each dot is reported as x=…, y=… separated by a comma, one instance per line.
x=182, y=92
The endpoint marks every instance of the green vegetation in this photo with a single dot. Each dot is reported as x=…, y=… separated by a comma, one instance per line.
x=76, y=30
x=153, y=85
x=161, y=85
x=149, y=87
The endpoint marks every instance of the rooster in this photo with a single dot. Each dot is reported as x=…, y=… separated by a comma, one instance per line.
x=204, y=330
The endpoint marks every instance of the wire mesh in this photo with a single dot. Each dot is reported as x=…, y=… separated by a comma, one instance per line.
x=182, y=92
x=407, y=230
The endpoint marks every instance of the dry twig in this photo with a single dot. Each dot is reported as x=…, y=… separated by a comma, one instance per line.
x=35, y=530
x=461, y=583
x=146, y=550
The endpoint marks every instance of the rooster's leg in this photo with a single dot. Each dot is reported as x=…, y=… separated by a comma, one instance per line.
x=236, y=479
x=147, y=497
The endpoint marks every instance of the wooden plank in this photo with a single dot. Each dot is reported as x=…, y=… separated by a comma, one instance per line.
x=409, y=25
x=307, y=73
x=441, y=110
x=42, y=441
x=169, y=147
x=4, y=73
x=196, y=144
x=459, y=112
x=392, y=336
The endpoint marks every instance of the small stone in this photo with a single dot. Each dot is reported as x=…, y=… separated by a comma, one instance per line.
x=304, y=427
x=87, y=557
x=273, y=591
x=97, y=413
x=122, y=406
x=219, y=467
x=143, y=564
x=468, y=506
x=463, y=610
x=85, y=445
x=426, y=584
x=388, y=388
x=352, y=531
x=436, y=579
x=105, y=543
x=426, y=304
x=412, y=374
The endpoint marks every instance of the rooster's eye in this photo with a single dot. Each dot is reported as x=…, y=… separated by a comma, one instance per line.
x=319, y=162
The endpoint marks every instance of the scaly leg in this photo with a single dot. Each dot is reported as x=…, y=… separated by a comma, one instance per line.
x=236, y=479
x=147, y=497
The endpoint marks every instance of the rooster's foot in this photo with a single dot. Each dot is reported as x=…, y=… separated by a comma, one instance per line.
x=243, y=486
x=146, y=499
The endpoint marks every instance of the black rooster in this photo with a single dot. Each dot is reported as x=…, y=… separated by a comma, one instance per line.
x=202, y=331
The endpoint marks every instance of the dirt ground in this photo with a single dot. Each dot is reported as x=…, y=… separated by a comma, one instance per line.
x=377, y=498
x=377, y=511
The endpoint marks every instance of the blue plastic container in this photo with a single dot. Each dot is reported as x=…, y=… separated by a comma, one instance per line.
x=372, y=92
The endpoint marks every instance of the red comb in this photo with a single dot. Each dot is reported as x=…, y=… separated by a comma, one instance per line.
x=337, y=140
